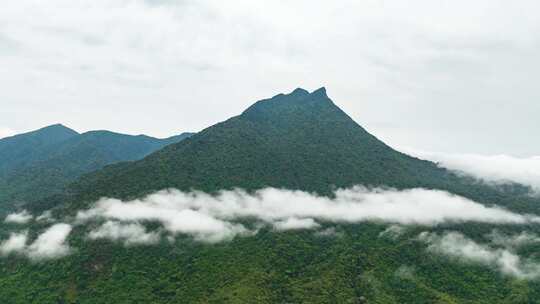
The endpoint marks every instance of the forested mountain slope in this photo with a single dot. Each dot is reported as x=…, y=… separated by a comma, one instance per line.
x=299, y=141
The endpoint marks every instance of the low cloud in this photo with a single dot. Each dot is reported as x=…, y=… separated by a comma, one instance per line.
x=14, y=244
x=50, y=244
x=458, y=246
x=169, y=208
x=513, y=241
x=45, y=217
x=294, y=223
x=329, y=232
x=491, y=168
x=130, y=234
x=22, y=217
x=213, y=218
x=221, y=217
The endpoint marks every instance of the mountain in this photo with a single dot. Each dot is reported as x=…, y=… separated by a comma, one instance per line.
x=296, y=141
x=299, y=141
x=40, y=163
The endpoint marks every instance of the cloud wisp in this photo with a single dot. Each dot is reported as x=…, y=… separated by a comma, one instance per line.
x=50, y=244
x=22, y=217
x=490, y=168
x=14, y=244
x=215, y=218
x=393, y=232
x=457, y=245
x=129, y=234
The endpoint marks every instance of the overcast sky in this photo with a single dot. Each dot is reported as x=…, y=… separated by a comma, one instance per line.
x=448, y=76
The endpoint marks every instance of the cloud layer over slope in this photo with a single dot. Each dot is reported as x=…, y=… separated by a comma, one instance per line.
x=214, y=218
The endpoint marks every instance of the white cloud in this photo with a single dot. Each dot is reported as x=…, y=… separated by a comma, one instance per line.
x=130, y=234
x=214, y=217
x=51, y=243
x=22, y=217
x=16, y=243
x=45, y=217
x=457, y=245
x=494, y=168
x=175, y=218
x=293, y=223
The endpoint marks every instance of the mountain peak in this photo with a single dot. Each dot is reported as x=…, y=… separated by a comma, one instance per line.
x=320, y=92
x=298, y=140
x=57, y=126
x=19, y=148
x=298, y=100
x=300, y=92
x=52, y=133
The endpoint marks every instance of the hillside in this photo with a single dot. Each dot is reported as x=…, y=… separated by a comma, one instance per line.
x=40, y=163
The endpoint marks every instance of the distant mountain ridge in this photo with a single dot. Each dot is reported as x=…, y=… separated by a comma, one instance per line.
x=37, y=164
x=22, y=148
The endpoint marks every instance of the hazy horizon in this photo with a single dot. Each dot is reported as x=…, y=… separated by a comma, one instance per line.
x=445, y=77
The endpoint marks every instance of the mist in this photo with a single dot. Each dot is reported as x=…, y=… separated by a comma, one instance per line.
x=490, y=168
x=458, y=246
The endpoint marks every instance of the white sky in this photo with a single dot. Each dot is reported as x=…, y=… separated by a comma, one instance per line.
x=449, y=76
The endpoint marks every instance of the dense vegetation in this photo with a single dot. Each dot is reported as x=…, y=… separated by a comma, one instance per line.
x=38, y=164
x=296, y=141
x=354, y=266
